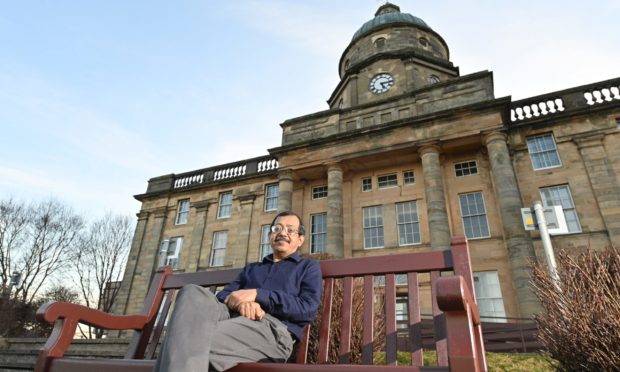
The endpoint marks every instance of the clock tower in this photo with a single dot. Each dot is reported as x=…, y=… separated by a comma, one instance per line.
x=392, y=54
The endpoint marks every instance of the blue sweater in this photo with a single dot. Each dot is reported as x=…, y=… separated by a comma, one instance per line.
x=289, y=290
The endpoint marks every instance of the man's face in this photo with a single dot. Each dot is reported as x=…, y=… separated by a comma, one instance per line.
x=282, y=243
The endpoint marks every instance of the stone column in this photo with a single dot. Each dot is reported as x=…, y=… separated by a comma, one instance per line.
x=285, y=190
x=146, y=250
x=518, y=241
x=200, y=224
x=335, y=225
x=120, y=306
x=604, y=182
x=438, y=223
x=239, y=252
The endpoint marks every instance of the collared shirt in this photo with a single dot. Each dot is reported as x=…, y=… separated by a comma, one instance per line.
x=289, y=289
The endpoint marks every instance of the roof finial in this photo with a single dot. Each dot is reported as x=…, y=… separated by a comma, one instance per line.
x=387, y=8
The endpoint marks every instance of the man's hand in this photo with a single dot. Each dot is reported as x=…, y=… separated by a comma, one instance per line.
x=236, y=298
x=251, y=310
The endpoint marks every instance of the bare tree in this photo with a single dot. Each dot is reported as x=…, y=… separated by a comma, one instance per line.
x=99, y=263
x=14, y=219
x=35, y=240
x=52, y=230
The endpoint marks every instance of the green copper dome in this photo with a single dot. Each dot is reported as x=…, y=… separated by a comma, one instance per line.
x=388, y=14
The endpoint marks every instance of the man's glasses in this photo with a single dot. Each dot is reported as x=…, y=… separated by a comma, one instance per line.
x=279, y=228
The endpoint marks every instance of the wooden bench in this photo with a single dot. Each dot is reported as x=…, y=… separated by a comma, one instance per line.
x=458, y=336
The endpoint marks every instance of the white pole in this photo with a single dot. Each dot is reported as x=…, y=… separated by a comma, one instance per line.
x=546, y=240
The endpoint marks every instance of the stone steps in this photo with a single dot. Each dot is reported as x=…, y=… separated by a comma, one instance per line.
x=20, y=354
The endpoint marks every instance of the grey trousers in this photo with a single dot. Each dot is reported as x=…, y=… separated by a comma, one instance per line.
x=203, y=336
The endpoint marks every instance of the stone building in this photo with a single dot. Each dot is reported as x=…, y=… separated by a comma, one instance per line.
x=409, y=153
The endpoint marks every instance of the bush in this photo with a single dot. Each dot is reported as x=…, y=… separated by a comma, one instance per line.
x=580, y=323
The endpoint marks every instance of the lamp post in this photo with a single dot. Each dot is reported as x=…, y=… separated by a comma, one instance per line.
x=15, y=279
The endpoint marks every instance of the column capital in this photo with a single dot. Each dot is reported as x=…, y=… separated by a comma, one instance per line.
x=335, y=166
x=203, y=205
x=434, y=148
x=285, y=174
x=246, y=198
x=589, y=140
x=142, y=215
x=160, y=212
x=494, y=136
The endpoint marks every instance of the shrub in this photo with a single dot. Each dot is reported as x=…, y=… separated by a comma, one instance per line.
x=580, y=323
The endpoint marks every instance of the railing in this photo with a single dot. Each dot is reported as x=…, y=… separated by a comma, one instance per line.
x=566, y=101
x=508, y=335
x=225, y=172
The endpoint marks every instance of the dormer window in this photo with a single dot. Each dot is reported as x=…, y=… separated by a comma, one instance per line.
x=423, y=42
x=380, y=42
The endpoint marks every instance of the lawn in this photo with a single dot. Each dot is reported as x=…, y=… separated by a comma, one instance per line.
x=505, y=362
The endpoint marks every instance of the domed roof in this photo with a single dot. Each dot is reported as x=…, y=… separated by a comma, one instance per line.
x=388, y=14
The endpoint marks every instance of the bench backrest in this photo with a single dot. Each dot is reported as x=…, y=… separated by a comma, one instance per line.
x=352, y=299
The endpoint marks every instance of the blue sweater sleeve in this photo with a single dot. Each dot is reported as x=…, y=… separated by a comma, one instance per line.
x=238, y=283
x=295, y=307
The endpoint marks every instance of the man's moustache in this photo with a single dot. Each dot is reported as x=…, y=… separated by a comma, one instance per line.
x=281, y=238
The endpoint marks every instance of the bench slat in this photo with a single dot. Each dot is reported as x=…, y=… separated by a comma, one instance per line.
x=414, y=319
x=379, y=265
x=345, y=320
x=390, y=320
x=215, y=278
x=159, y=324
x=439, y=322
x=369, y=323
x=324, y=330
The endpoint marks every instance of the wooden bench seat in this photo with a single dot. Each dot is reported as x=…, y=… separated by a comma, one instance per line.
x=446, y=274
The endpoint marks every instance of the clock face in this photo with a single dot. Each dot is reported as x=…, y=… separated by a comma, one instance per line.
x=381, y=83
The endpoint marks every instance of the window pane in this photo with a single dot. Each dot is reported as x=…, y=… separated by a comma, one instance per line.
x=367, y=184
x=271, y=197
x=474, y=216
x=318, y=233
x=182, y=212
x=408, y=177
x=489, y=296
x=265, y=246
x=373, y=227
x=560, y=195
x=174, y=250
x=319, y=192
x=390, y=180
x=466, y=168
x=407, y=222
x=218, y=251
x=225, y=205
x=543, y=151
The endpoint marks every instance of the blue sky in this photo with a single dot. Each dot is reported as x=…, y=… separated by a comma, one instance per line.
x=96, y=97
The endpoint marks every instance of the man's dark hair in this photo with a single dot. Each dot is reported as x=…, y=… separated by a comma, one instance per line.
x=301, y=230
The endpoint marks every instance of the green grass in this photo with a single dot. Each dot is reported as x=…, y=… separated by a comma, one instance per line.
x=505, y=362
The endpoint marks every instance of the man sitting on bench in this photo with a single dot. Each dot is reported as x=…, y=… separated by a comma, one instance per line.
x=257, y=317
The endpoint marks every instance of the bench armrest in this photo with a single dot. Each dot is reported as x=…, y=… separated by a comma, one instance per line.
x=465, y=344
x=453, y=294
x=52, y=311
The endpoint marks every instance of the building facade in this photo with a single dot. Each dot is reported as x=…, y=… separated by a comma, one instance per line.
x=408, y=154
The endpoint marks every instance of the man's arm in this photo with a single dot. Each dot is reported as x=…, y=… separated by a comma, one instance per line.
x=300, y=307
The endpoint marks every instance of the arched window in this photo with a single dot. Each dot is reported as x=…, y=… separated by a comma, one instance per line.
x=434, y=79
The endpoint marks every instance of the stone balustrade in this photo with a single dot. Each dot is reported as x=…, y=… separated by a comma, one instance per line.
x=219, y=173
x=566, y=101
